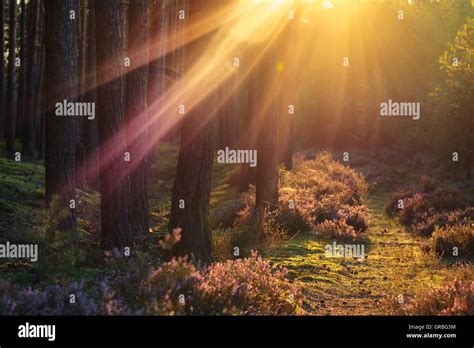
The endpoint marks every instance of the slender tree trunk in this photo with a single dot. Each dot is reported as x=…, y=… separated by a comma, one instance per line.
x=21, y=100
x=110, y=24
x=155, y=62
x=267, y=142
x=137, y=115
x=10, y=122
x=289, y=94
x=81, y=164
x=89, y=149
x=228, y=114
x=39, y=113
x=248, y=174
x=2, y=71
x=60, y=84
x=32, y=77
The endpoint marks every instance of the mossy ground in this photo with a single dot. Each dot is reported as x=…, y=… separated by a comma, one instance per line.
x=395, y=265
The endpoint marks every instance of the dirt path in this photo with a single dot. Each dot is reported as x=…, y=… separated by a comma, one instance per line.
x=395, y=264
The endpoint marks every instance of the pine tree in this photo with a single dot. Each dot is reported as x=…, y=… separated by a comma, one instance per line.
x=10, y=121
x=192, y=185
x=136, y=113
x=110, y=33
x=29, y=138
x=2, y=71
x=60, y=83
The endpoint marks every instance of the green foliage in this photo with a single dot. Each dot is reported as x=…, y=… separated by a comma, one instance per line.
x=451, y=100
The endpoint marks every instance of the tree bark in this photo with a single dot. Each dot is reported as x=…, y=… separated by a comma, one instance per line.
x=248, y=174
x=110, y=24
x=2, y=71
x=137, y=115
x=289, y=94
x=21, y=100
x=88, y=164
x=10, y=122
x=267, y=142
x=90, y=128
x=60, y=83
x=40, y=118
x=32, y=76
x=192, y=186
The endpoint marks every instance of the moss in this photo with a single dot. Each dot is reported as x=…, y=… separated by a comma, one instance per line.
x=21, y=194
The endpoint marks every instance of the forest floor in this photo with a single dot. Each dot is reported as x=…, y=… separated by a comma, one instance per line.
x=395, y=264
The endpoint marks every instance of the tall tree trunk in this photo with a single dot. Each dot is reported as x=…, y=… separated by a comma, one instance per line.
x=292, y=63
x=32, y=78
x=90, y=128
x=136, y=114
x=110, y=24
x=21, y=100
x=248, y=174
x=2, y=71
x=60, y=83
x=267, y=142
x=10, y=122
x=81, y=165
x=192, y=185
x=155, y=62
x=229, y=112
x=40, y=118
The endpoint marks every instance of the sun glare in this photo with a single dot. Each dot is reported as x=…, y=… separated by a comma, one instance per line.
x=328, y=5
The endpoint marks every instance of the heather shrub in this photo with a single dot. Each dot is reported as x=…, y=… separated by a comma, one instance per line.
x=392, y=205
x=414, y=209
x=355, y=216
x=56, y=300
x=445, y=240
x=172, y=288
x=249, y=286
x=245, y=232
x=139, y=285
x=322, y=190
x=457, y=217
x=289, y=215
x=426, y=209
x=339, y=230
x=453, y=299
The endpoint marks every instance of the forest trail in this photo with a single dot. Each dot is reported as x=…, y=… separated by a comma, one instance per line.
x=394, y=264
